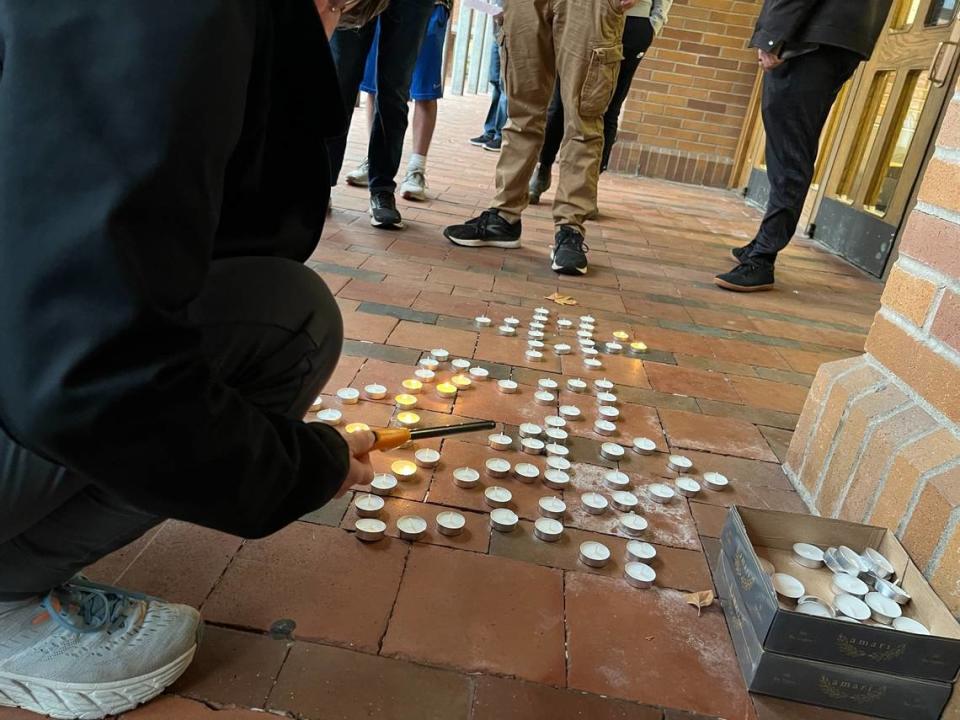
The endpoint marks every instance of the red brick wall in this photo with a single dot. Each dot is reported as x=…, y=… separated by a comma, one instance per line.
x=689, y=99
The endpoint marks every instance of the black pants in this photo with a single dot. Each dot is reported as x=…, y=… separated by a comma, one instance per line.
x=638, y=35
x=797, y=97
x=402, y=28
x=271, y=329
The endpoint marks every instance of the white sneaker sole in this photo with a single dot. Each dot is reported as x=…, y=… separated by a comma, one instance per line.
x=503, y=244
x=357, y=182
x=418, y=195
x=567, y=271
x=82, y=701
x=393, y=226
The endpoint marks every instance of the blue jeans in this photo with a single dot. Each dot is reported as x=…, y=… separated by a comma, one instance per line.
x=497, y=115
x=402, y=28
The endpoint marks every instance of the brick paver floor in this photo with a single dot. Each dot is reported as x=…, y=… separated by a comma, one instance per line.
x=489, y=626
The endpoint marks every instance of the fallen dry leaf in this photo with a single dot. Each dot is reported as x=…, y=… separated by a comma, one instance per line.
x=561, y=299
x=700, y=600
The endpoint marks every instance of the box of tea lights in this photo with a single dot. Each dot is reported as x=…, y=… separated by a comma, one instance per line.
x=843, y=596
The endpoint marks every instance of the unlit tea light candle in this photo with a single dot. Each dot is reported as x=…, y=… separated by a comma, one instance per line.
x=348, y=396
x=644, y=446
x=640, y=551
x=529, y=430
x=526, y=472
x=613, y=348
x=715, y=481
x=687, y=486
x=552, y=507
x=450, y=523
x=534, y=355
x=427, y=457
x=440, y=355
x=429, y=363
x=504, y=520
x=558, y=462
x=639, y=575
x=368, y=506
x=480, y=374
x=544, y=397
x=317, y=403
x=633, y=524
x=625, y=501
x=680, y=463
x=532, y=446
x=411, y=527
x=533, y=344
x=330, y=416
x=506, y=331
x=564, y=323
x=511, y=322
x=425, y=376
x=616, y=480
x=605, y=427
x=548, y=529
x=611, y=451
x=370, y=529
x=609, y=413
x=497, y=467
x=466, y=478
x=557, y=450
x=594, y=503
x=555, y=421
x=556, y=479
x=375, y=391
x=383, y=484
x=562, y=349
x=594, y=554
x=605, y=399
x=482, y=321
x=570, y=412
x=507, y=387
x=592, y=364
x=603, y=385
x=460, y=365
x=576, y=385
x=499, y=441
x=496, y=496
x=403, y=469
x=661, y=493
x=587, y=319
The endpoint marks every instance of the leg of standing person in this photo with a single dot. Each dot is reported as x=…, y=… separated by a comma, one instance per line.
x=402, y=29
x=529, y=71
x=360, y=176
x=589, y=52
x=797, y=97
x=552, y=139
x=491, y=125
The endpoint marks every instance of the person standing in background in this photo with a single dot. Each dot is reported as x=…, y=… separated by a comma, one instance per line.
x=425, y=90
x=402, y=27
x=645, y=21
x=808, y=49
x=492, y=138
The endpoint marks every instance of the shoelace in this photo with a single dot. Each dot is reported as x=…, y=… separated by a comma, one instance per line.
x=384, y=199
x=574, y=240
x=418, y=176
x=94, y=607
x=482, y=223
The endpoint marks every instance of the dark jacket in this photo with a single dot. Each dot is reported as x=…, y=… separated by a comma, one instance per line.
x=851, y=24
x=139, y=140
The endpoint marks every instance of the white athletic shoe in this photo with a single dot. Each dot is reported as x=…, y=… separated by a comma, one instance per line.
x=87, y=651
x=361, y=176
x=414, y=186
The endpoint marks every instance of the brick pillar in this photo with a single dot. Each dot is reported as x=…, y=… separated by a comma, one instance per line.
x=878, y=441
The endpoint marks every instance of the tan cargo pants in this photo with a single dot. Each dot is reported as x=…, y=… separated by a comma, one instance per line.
x=581, y=42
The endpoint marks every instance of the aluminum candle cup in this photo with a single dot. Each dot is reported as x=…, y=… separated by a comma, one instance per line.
x=879, y=565
x=482, y=321
x=529, y=430
x=680, y=463
x=587, y=319
x=548, y=384
x=687, y=486
x=715, y=481
x=644, y=446
x=557, y=436
x=411, y=527
x=640, y=551
x=637, y=348
x=425, y=376
x=556, y=479
x=544, y=397
x=447, y=390
x=408, y=419
x=426, y=457
x=882, y=609
x=370, y=529
x=511, y=322
x=616, y=480
x=570, y=412
x=611, y=451
x=586, y=344
x=507, y=387
x=788, y=587
x=461, y=365
x=815, y=608
x=558, y=462
x=534, y=356
x=466, y=478
x=594, y=554
x=625, y=501
x=552, y=507
x=548, y=529
x=497, y=467
x=526, y=472
x=506, y=331
x=532, y=446
x=412, y=387
x=536, y=345
x=639, y=575
x=661, y=493
x=848, y=606
x=403, y=469
x=594, y=503
x=576, y=385
x=605, y=427
x=603, y=385
x=504, y=520
x=585, y=334
x=608, y=413
x=356, y=427
x=450, y=523
x=852, y=561
x=564, y=323
x=894, y=592
x=562, y=349
x=844, y=584
x=633, y=525
x=461, y=382
x=479, y=374
x=832, y=561
x=375, y=391
x=621, y=335
x=368, y=506
x=555, y=421
x=592, y=364
x=807, y=555
x=606, y=398
x=440, y=355
x=330, y=416
x=588, y=351
x=613, y=348
x=429, y=363
x=909, y=625
x=499, y=441
x=405, y=402
x=383, y=484
x=349, y=396
x=542, y=311
x=536, y=325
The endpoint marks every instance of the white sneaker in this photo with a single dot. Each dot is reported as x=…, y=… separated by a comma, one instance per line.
x=87, y=651
x=361, y=176
x=414, y=186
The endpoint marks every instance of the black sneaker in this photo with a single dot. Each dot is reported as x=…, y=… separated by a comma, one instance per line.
x=569, y=254
x=493, y=144
x=752, y=275
x=488, y=230
x=742, y=253
x=481, y=140
x=539, y=183
x=383, y=210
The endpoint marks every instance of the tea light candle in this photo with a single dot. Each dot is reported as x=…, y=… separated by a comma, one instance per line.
x=616, y=480
x=466, y=478
x=542, y=311
x=429, y=363
x=562, y=349
x=807, y=555
x=526, y=472
x=450, y=523
x=633, y=525
x=715, y=481
x=603, y=385
x=368, y=506
x=661, y=493
x=621, y=335
x=589, y=352
x=460, y=365
x=555, y=462
x=497, y=467
x=557, y=450
x=529, y=430
x=680, y=463
x=506, y=331
x=644, y=446
x=411, y=527
x=330, y=416
x=446, y=390
x=625, y=501
x=504, y=520
x=405, y=402
x=594, y=503
x=548, y=529
x=604, y=427
x=479, y=374
x=556, y=435
x=594, y=554
x=375, y=391
x=348, y=396
x=544, y=397
x=499, y=441
x=403, y=469
x=570, y=412
x=548, y=384
x=412, y=387
x=640, y=551
x=687, y=486
x=426, y=457
x=532, y=446
x=587, y=319
x=356, y=427
x=637, y=348
x=552, y=507
x=370, y=529
x=592, y=364
x=850, y=608
x=482, y=321
x=555, y=421
x=607, y=399
x=564, y=323
x=611, y=451
x=909, y=625
x=507, y=387
x=608, y=412
x=496, y=496
x=461, y=382
x=879, y=565
x=536, y=335
x=536, y=345
x=440, y=355
x=613, y=348
x=511, y=322
x=556, y=479
x=586, y=334
x=408, y=419
x=536, y=324
x=424, y=375
x=383, y=484
x=639, y=575
x=843, y=583
x=788, y=587
x=587, y=344
x=534, y=356
x=576, y=385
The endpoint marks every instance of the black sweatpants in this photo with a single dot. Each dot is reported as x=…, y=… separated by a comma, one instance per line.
x=797, y=97
x=271, y=329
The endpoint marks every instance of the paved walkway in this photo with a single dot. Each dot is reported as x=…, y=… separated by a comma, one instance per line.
x=490, y=626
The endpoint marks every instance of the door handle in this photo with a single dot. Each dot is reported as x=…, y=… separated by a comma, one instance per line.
x=936, y=80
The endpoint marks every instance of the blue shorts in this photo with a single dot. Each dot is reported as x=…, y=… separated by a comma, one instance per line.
x=427, y=82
